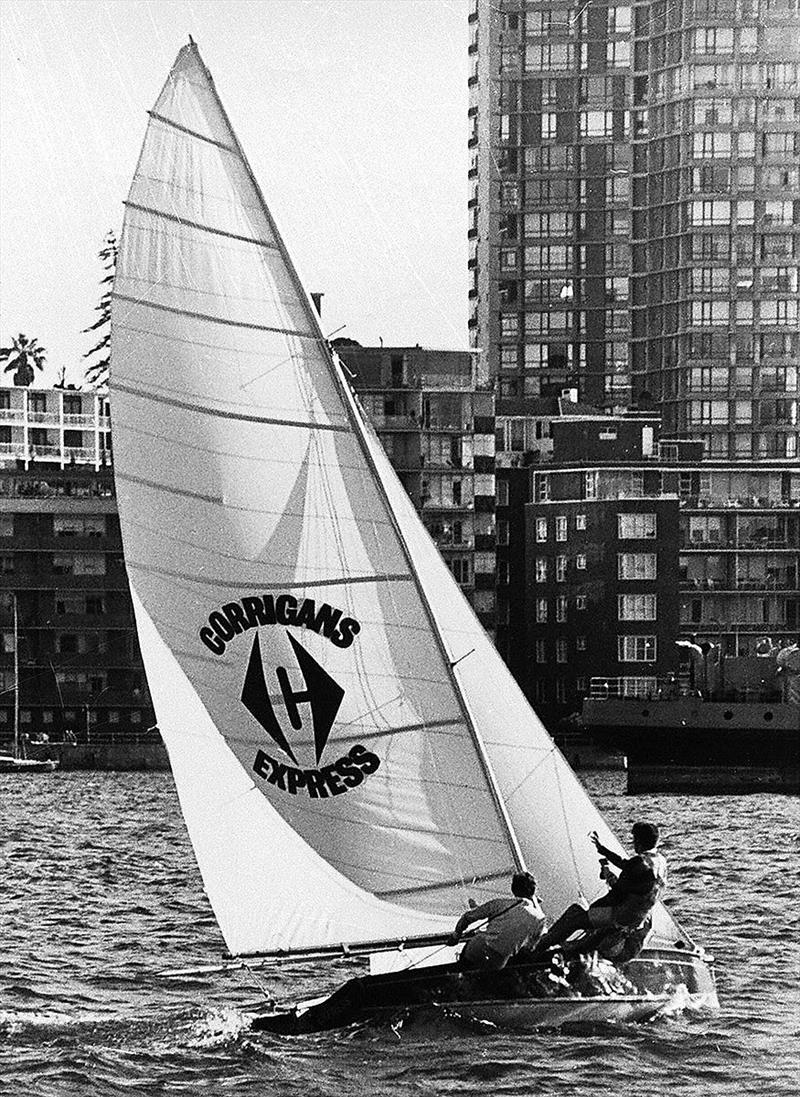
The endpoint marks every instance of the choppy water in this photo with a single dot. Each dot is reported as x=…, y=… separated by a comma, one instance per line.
x=99, y=892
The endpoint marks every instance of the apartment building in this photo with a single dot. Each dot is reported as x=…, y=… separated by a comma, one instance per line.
x=77, y=654
x=634, y=542
x=437, y=426
x=635, y=210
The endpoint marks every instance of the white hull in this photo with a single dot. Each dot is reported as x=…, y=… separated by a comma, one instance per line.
x=10, y=764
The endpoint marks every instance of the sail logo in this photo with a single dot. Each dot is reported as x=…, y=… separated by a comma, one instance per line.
x=234, y=618
x=323, y=696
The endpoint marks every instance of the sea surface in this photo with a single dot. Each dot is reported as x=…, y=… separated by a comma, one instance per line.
x=99, y=893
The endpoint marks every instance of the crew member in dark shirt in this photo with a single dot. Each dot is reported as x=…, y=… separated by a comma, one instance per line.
x=631, y=896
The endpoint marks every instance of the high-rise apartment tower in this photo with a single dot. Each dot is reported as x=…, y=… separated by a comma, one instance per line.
x=635, y=209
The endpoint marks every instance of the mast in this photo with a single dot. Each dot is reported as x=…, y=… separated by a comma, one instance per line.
x=18, y=752
x=335, y=373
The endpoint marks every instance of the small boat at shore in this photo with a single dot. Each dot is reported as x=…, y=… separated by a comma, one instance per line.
x=354, y=761
x=16, y=760
x=12, y=763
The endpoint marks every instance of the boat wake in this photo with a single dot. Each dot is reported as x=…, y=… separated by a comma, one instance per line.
x=217, y=1027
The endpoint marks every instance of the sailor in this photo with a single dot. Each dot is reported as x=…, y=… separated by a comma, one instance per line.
x=632, y=893
x=511, y=926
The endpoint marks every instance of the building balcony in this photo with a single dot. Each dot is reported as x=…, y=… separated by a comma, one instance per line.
x=47, y=418
x=12, y=415
x=79, y=421
x=773, y=585
x=730, y=545
x=710, y=503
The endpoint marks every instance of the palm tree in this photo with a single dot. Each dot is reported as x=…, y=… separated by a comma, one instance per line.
x=22, y=356
x=97, y=372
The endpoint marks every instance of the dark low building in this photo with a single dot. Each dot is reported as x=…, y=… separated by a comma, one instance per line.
x=80, y=673
x=634, y=542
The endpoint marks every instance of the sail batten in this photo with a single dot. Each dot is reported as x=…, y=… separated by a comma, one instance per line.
x=302, y=637
x=220, y=413
x=192, y=133
x=209, y=318
x=197, y=225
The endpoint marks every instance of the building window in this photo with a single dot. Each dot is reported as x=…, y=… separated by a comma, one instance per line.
x=501, y=489
x=502, y=531
x=561, y=609
x=459, y=565
x=541, y=651
x=561, y=569
x=580, y=602
x=561, y=528
x=6, y=525
x=590, y=481
x=543, y=488
x=631, y=526
x=580, y=561
x=79, y=525
x=636, y=607
x=580, y=684
x=618, y=53
x=541, y=569
x=541, y=610
x=561, y=650
x=636, y=565
x=580, y=643
x=636, y=649
x=580, y=521
x=541, y=530
x=561, y=690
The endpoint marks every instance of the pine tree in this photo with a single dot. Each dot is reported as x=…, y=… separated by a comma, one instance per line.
x=96, y=373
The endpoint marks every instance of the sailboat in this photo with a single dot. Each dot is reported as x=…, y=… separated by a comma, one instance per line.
x=353, y=759
x=17, y=761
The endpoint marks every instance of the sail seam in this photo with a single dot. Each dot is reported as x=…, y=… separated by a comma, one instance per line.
x=219, y=414
x=193, y=133
x=170, y=490
x=213, y=319
x=233, y=584
x=201, y=227
x=444, y=884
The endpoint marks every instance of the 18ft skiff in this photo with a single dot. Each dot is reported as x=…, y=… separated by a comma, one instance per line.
x=353, y=759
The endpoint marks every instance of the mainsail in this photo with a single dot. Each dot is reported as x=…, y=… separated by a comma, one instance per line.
x=352, y=756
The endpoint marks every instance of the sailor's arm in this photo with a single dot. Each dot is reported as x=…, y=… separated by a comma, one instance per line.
x=476, y=914
x=609, y=854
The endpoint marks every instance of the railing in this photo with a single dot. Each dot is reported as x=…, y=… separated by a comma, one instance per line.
x=13, y=449
x=79, y=453
x=104, y=736
x=12, y=415
x=51, y=418
x=79, y=420
x=44, y=451
x=635, y=688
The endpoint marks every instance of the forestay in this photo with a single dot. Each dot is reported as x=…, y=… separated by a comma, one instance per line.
x=352, y=756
